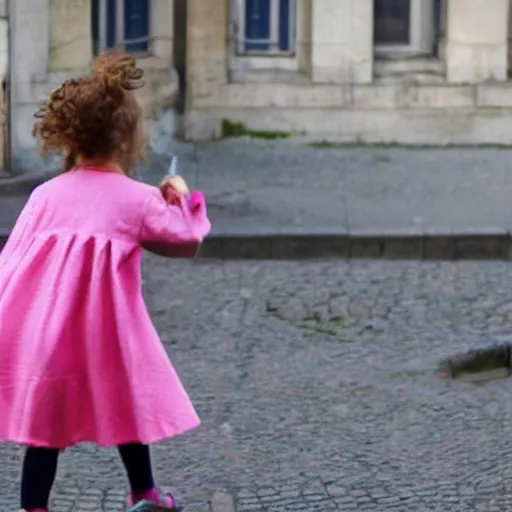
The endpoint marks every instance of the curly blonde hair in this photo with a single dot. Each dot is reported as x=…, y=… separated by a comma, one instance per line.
x=97, y=116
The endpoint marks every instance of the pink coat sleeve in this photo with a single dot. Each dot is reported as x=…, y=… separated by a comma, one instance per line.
x=174, y=231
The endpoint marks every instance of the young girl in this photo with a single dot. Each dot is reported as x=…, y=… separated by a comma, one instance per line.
x=80, y=359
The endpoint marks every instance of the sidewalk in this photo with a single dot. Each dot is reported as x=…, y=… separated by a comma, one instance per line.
x=283, y=199
x=290, y=199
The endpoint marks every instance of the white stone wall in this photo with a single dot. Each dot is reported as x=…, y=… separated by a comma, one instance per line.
x=337, y=91
x=384, y=113
x=52, y=41
x=70, y=35
x=30, y=44
x=340, y=93
x=341, y=45
x=477, y=41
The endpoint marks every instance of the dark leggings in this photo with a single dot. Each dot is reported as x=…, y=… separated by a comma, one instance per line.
x=40, y=468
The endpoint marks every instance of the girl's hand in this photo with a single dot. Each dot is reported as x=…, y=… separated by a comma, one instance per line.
x=173, y=188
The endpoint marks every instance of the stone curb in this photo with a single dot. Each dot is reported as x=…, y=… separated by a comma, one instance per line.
x=386, y=246
x=442, y=247
x=23, y=184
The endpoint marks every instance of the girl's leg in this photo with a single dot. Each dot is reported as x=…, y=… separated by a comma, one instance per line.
x=38, y=475
x=137, y=462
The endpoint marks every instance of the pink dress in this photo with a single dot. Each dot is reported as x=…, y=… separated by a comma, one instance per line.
x=80, y=360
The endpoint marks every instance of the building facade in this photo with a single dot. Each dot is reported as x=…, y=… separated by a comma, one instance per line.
x=369, y=71
x=52, y=40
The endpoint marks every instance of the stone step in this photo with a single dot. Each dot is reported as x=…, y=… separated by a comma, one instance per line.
x=384, y=246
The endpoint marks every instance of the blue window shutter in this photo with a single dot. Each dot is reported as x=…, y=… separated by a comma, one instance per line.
x=95, y=29
x=284, y=25
x=111, y=23
x=136, y=24
x=438, y=14
x=257, y=25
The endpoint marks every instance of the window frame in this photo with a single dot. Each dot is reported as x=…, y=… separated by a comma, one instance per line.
x=243, y=60
x=120, y=29
x=160, y=33
x=422, y=33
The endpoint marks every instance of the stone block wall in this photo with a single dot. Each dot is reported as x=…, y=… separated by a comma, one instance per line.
x=341, y=92
x=52, y=41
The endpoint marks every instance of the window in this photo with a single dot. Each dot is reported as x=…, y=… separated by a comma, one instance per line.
x=121, y=23
x=265, y=27
x=406, y=27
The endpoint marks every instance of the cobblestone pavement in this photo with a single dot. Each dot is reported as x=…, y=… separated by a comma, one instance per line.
x=316, y=383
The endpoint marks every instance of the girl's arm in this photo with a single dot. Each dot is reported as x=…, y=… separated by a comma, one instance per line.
x=174, y=231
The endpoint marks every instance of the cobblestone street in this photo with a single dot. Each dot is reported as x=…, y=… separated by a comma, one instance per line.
x=317, y=387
